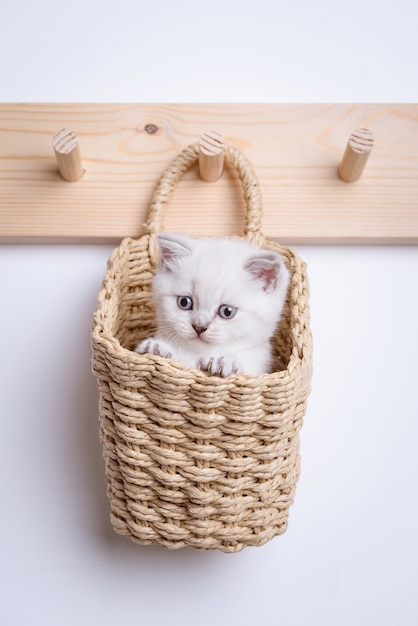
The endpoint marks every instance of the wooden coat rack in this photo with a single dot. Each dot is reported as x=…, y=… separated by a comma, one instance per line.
x=302, y=153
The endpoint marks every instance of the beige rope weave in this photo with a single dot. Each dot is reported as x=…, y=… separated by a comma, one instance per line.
x=193, y=459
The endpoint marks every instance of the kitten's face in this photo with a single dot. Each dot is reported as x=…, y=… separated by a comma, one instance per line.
x=203, y=306
x=217, y=292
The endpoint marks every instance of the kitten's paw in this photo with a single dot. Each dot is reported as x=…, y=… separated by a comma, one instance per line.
x=220, y=366
x=154, y=346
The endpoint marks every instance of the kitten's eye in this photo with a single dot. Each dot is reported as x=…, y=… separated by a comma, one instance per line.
x=185, y=303
x=226, y=311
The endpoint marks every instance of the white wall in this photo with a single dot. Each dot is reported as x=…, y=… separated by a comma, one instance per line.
x=350, y=555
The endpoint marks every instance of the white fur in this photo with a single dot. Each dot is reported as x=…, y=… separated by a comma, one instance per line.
x=213, y=272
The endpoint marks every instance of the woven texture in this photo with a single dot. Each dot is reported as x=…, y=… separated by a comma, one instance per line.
x=193, y=459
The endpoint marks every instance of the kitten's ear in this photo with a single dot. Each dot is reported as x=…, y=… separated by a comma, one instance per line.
x=266, y=268
x=173, y=248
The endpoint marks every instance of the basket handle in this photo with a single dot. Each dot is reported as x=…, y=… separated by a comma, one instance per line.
x=177, y=167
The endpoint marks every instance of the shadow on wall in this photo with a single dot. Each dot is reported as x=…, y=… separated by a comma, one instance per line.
x=57, y=431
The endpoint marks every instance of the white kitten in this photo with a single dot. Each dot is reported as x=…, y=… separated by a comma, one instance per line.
x=217, y=304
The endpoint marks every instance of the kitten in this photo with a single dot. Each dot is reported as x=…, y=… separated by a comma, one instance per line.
x=217, y=304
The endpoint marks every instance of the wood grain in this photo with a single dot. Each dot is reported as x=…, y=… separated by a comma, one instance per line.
x=296, y=151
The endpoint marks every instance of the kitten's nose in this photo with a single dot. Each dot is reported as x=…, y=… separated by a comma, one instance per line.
x=199, y=329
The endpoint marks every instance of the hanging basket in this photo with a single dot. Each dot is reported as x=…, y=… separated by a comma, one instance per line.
x=193, y=459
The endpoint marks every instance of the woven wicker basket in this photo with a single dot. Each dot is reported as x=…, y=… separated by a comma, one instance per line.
x=193, y=459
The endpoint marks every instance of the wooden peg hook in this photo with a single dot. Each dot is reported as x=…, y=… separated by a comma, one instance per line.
x=67, y=153
x=211, y=156
x=356, y=155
